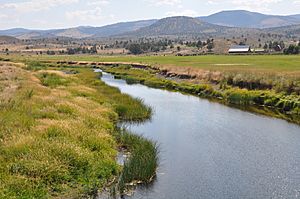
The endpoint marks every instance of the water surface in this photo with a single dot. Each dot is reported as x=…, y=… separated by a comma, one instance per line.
x=209, y=150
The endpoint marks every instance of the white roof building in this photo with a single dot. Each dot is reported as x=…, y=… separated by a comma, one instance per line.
x=239, y=49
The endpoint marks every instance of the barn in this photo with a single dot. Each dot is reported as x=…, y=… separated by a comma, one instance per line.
x=239, y=49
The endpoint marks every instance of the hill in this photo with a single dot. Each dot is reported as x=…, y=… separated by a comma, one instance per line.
x=289, y=31
x=246, y=19
x=176, y=26
x=78, y=32
x=8, y=39
x=222, y=24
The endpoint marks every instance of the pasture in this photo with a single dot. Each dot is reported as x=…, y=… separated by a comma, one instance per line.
x=254, y=63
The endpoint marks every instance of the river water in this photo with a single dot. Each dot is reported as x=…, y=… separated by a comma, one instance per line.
x=208, y=150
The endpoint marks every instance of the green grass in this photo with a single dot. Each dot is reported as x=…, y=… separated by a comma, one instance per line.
x=58, y=141
x=52, y=80
x=142, y=163
x=269, y=63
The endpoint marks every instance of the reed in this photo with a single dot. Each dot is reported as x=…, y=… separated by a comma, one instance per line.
x=141, y=166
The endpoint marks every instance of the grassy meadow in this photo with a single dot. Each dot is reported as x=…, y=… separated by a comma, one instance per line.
x=259, y=63
x=57, y=131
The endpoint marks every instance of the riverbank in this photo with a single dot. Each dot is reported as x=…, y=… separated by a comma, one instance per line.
x=268, y=85
x=58, y=131
x=264, y=101
x=209, y=150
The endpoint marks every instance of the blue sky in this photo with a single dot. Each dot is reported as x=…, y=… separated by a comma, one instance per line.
x=45, y=14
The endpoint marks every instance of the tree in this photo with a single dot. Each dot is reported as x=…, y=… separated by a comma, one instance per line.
x=199, y=44
x=210, y=46
x=70, y=51
x=135, y=49
x=50, y=52
x=94, y=49
x=270, y=45
x=292, y=49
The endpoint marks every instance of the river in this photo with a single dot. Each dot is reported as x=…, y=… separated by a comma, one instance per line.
x=209, y=150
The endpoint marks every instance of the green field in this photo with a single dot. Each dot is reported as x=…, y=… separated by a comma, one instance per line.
x=263, y=63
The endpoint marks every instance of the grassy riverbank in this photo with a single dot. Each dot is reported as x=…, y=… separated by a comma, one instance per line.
x=278, y=104
x=57, y=130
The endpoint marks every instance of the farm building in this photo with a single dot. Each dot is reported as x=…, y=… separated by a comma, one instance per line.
x=239, y=49
x=258, y=50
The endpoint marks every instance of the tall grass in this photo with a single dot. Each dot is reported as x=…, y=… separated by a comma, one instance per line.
x=142, y=163
x=57, y=141
x=52, y=80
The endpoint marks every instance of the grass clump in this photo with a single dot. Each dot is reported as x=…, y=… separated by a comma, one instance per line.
x=52, y=80
x=56, y=143
x=142, y=163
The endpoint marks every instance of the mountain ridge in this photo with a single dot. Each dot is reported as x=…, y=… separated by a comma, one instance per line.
x=247, y=19
x=221, y=21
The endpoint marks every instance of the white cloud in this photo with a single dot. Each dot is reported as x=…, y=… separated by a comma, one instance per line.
x=165, y=2
x=3, y=17
x=85, y=15
x=90, y=15
x=297, y=2
x=98, y=3
x=190, y=13
x=257, y=5
x=35, y=5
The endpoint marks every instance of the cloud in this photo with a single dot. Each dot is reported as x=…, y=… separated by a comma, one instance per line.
x=257, y=5
x=165, y=2
x=85, y=15
x=296, y=2
x=4, y=17
x=190, y=13
x=98, y=3
x=93, y=14
x=35, y=5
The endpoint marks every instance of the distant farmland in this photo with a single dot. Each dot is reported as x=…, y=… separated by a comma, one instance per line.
x=259, y=63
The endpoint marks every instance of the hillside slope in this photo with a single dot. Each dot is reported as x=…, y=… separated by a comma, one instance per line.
x=177, y=26
x=246, y=19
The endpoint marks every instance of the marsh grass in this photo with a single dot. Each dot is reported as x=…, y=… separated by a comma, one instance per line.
x=141, y=166
x=52, y=80
x=56, y=133
x=285, y=103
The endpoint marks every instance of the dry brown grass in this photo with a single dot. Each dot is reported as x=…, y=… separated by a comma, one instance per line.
x=9, y=81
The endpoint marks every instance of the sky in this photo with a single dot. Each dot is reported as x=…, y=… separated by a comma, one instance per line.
x=52, y=14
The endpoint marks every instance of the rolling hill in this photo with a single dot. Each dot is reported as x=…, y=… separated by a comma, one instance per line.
x=246, y=19
x=78, y=32
x=291, y=31
x=8, y=40
x=176, y=26
x=225, y=23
